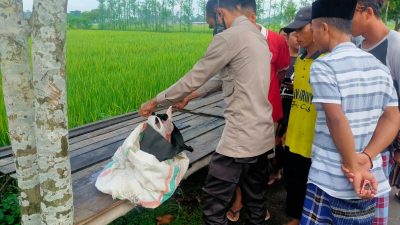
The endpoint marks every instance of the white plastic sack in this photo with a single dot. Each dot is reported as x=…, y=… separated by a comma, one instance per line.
x=138, y=176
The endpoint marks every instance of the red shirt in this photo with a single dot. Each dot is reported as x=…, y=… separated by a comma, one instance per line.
x=280, y=60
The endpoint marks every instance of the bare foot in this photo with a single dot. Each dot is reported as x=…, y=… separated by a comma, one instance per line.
x=233, y=213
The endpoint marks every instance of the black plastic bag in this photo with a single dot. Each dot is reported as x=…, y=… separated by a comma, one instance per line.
x=154, y=143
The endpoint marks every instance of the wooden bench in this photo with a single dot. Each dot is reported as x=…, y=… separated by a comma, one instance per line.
x=93, y=145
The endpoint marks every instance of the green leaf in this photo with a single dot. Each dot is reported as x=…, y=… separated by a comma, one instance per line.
x=10, y=219
x=6, y=205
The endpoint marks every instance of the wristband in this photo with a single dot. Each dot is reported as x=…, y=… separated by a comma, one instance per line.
x=369, y=157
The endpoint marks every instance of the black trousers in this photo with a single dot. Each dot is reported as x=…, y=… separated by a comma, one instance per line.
x=224, y=174
x=296, y=171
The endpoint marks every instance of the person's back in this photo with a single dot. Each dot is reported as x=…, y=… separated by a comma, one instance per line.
x=358, y=117
x=279, y=60
x=246, y=87
x=364, y=89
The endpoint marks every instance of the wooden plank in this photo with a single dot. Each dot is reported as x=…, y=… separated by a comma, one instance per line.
x=90, y=138
x=86, y=195
x=108, y=129
x=6, y=161
x=121, y=121
x=204, y=103
x=5, y=152
x=83, y=182
x=99, y=125
x=197, y=128
x=108, y=142
x=8, y=169
x=108, y=215
x=118, y=208
x=93, y=138
x=105, y=140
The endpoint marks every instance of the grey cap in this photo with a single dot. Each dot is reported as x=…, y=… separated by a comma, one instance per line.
x=303, y=17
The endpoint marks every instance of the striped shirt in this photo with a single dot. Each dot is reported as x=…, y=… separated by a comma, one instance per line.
x=363, y=87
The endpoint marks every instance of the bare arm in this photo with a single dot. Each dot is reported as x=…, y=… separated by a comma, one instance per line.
x=343, y=138
x=385, y=132
x=212, y=86
x=341, y=134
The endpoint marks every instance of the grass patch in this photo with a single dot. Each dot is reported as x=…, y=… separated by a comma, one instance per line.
x=112, y=72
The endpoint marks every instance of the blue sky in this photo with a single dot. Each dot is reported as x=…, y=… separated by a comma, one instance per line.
x=82, y=5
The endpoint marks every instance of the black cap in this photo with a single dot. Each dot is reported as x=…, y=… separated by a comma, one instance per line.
x=343, y=9
x=303, y=17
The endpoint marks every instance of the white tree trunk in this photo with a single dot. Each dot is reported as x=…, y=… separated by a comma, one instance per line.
x=49, y=75
x=18, y=95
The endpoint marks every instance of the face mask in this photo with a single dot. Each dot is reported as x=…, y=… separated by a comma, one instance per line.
x=218, y=28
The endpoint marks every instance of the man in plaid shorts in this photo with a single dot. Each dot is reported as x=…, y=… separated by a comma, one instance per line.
x=358, y=117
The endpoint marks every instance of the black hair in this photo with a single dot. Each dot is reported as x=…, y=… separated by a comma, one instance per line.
x=231, y=5
x=339, y=23
x=375, y=5
x=210, y=8
x=249, y=4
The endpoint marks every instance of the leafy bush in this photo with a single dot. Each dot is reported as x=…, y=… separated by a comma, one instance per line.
x=9, y=210
x=9, y=205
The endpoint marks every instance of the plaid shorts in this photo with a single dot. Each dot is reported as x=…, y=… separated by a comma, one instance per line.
x=321, y=208
x=382, y=203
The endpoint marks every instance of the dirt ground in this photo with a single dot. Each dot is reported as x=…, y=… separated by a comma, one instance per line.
x=185, y=208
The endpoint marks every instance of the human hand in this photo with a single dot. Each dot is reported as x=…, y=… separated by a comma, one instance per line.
x=182, y=104
x=364, y=183
x=147, y=108
x=363, y=163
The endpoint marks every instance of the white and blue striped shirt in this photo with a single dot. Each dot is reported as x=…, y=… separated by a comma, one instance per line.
x=363, y=87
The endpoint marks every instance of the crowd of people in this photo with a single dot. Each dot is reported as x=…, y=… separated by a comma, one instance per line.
x=307, y=103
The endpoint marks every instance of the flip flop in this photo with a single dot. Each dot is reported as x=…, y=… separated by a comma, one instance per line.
x=235, y=213
x=267, y=215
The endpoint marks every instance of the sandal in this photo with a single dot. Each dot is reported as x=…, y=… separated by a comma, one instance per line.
x=235, y=214
x=267, y=215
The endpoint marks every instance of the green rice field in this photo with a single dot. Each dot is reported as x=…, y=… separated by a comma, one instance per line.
x=112, y=72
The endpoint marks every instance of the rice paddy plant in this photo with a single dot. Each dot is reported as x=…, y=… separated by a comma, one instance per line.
x=3, y=118
x=113, y=72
